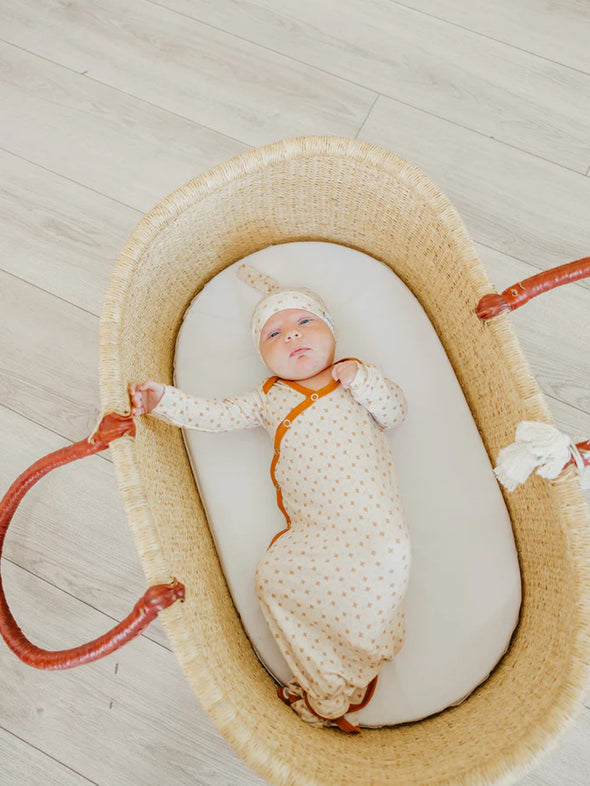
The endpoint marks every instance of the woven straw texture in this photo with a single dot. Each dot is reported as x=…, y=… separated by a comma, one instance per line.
x=356, y=194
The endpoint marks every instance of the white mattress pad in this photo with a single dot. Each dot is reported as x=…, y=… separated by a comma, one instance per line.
x=464, y=591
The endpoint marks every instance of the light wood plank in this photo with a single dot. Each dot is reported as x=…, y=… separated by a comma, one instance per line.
x=496, y=89
x=98, y=136
x=554, y=29
x=48, y=359
x=25, y=765
x=224, y=82
x=127, y=720
x=58, y=235
x=510, y=201
x=70, y=529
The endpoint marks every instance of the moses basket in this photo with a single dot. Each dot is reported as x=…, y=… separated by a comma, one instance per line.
x=359, y=195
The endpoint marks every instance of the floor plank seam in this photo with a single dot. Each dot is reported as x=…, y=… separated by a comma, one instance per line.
x=488, y=37
x=128, y=95
x=356, y=136
x=48, y=755
x=364, y=87
x=140, y=211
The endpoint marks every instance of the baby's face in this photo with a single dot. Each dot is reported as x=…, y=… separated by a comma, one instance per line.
x=289, y=330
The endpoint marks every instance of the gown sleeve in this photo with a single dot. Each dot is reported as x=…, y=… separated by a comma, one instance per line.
x=210, y=414
x=383, y=398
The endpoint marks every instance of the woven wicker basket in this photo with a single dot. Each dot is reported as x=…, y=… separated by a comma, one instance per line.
x=358, y=195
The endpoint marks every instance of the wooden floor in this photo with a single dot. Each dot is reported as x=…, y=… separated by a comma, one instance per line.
x=106, y=108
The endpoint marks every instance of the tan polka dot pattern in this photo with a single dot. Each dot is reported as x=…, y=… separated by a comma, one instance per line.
x=332, y=586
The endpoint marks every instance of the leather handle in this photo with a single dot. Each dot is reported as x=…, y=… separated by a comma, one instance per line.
x=517, y=295
x=157, y=598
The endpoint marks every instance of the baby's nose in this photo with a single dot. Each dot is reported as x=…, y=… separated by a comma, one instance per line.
x=292, y=334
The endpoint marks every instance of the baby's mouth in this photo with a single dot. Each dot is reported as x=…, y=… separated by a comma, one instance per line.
x=298, y=351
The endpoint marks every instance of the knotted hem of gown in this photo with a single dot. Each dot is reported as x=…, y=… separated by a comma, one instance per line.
x=294, y=695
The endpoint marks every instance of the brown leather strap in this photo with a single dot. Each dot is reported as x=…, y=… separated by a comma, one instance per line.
x=146, y=609
x=512, y=298
x=515, y=296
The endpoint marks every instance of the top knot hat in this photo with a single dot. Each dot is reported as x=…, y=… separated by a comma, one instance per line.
x=277, y=299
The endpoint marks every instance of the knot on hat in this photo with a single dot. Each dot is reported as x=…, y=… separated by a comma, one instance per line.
x=278, y=299
x=257, y=279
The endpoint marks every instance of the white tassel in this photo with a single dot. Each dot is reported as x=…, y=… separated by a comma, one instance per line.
x=537, y=445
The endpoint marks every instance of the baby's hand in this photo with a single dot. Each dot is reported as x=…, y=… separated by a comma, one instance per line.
x=145, y=396
x=345, y=372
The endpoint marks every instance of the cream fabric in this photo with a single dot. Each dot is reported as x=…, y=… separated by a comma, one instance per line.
x=332, y=587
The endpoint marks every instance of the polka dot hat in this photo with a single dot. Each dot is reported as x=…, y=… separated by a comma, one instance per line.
x=277, y=299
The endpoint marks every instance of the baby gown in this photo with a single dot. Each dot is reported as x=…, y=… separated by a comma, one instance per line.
x=332, y=584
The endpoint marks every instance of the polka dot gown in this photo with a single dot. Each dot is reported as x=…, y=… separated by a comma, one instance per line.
x=332, y=584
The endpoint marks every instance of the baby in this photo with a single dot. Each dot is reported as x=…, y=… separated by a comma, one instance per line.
x=332, y=584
